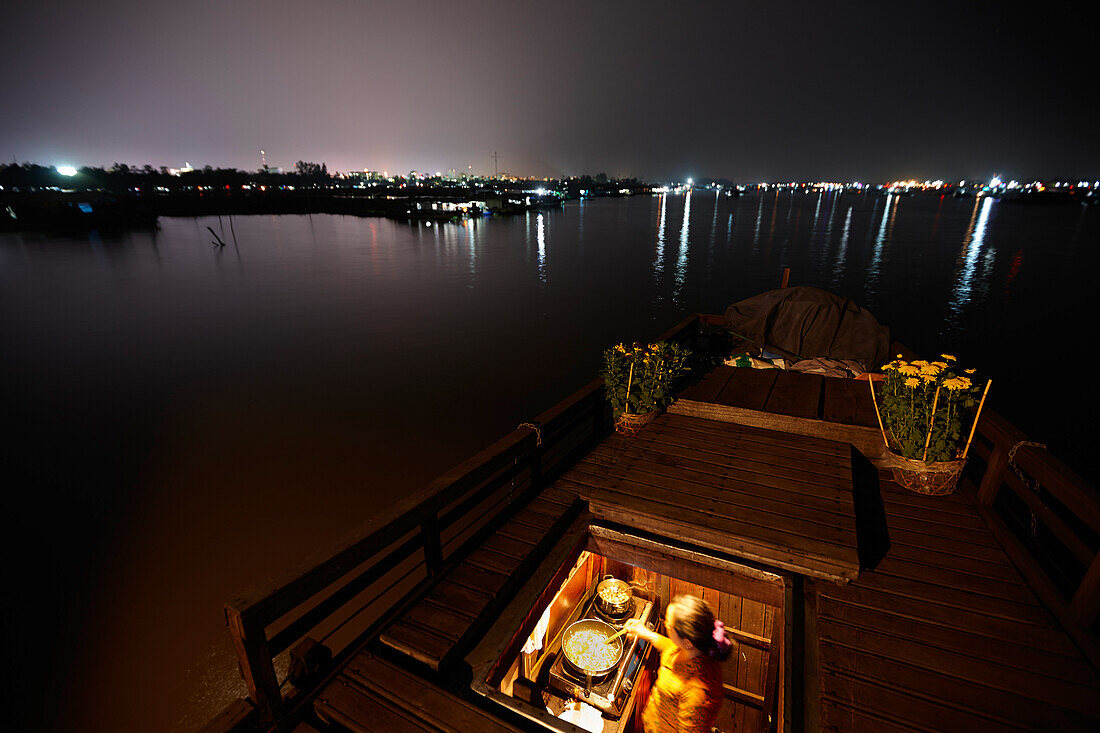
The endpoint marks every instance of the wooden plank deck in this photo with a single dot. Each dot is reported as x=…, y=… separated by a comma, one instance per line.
x=944, y=634
x=806, y=404
x=920, y=623
x=372, y=694
x=785, y=500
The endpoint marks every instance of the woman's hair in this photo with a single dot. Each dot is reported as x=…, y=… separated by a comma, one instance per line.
x=694, y=620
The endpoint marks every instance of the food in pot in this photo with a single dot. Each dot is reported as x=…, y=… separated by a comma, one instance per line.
x=615, y=595
x=589, y=649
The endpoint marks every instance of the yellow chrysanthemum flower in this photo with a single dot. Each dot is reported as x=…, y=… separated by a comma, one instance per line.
x=941, y=365
x=948, y=357
x=970, y=371
x=912, y=382
x=908, y=370
x=930, y=369
x=954, y=384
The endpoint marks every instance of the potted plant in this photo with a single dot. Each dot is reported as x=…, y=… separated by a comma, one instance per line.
x=927, y=412
x=639, y=381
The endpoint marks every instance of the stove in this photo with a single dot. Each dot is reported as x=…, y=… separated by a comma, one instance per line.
x=611, y=692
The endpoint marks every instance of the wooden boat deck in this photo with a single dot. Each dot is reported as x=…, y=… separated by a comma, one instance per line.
x=942, y=633
x=917, y=613
x=938, y=632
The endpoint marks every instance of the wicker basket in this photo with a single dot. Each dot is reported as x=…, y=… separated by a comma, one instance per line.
x=935, y=478
x=628, y=423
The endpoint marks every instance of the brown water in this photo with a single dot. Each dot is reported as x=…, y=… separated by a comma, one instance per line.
x=185, y=421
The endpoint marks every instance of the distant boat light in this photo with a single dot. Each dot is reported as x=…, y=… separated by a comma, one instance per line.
x=66, y=170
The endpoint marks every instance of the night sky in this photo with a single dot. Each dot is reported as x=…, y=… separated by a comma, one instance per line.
x=749, y=91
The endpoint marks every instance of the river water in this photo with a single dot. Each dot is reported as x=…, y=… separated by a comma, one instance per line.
x=185, y=421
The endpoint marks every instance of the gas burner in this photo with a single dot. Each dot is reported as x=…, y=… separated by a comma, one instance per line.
x=616, y=620
x=610, y=692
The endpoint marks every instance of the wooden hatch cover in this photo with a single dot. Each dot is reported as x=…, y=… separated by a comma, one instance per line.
x=776, y=498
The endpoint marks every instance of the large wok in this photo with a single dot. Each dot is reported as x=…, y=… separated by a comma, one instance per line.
x=591, y=624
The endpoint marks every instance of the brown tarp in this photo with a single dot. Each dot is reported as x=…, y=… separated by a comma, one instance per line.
x=805, y=323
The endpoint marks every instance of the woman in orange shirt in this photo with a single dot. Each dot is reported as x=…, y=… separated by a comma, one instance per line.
x=687, y=694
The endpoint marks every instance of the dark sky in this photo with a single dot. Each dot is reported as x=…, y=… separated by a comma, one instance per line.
x=659, y=90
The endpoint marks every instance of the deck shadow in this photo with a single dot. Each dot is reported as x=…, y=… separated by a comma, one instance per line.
x=872, y=533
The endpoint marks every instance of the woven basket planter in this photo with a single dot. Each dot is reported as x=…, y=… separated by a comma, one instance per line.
x=628, y=423
x=935, y=478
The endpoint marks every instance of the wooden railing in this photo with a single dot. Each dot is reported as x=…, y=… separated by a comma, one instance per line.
x=405, y=546
x=1047, y=518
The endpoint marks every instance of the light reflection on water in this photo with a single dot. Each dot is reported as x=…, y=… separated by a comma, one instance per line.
x=323, y=366
x=682, y=256
x=966, y=279
x=542, y=248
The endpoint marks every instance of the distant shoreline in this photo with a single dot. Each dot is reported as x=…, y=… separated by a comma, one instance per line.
x=84, y=211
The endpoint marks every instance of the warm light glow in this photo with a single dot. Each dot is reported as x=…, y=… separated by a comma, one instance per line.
x=66, y=170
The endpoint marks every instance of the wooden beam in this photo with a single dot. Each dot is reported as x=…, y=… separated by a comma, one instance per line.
x=694, y=567
x=744, y=696
x=839, y=565
x=867, y=440
x=771, y=677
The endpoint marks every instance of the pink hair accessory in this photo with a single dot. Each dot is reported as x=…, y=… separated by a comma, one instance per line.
x=720, y=632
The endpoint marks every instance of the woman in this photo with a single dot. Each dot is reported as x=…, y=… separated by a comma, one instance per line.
x=687, y=694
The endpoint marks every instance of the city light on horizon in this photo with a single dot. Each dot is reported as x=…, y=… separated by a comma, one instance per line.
x=293, y=85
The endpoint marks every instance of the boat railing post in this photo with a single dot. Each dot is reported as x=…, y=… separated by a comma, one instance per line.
x=536, y=465
x=257, y=666
x=994, y=475
x=1085, y=605
x=433, y=549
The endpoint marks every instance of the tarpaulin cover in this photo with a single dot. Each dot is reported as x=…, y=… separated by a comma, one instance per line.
x=805, y=323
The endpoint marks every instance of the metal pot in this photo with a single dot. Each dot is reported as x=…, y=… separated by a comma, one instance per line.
x=594, y=625
x=613, y=596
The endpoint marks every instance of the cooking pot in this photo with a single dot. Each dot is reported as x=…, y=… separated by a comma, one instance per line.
x=591, y=624
x=613, y=596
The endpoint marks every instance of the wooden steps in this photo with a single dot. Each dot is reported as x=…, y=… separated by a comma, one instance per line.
x=372, y=694
x=436, y=628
